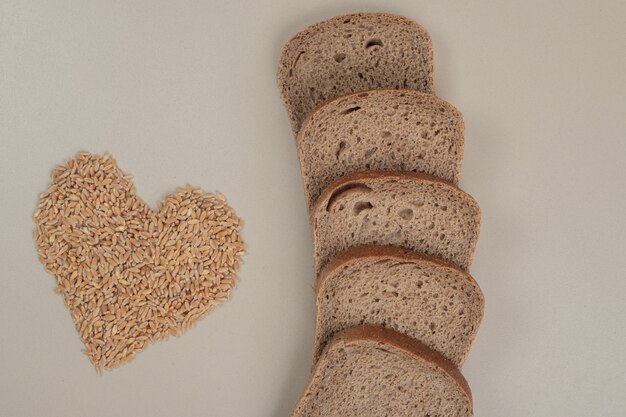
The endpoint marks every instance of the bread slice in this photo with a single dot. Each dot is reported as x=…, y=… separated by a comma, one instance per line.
x=372, y=372
x=402, y=130
x=416, y=211
x=417, y=295
x=351, y=53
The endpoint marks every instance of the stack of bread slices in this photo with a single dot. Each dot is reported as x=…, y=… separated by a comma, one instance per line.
x=394, y=236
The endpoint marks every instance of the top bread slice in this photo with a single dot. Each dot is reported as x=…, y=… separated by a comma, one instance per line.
x=417, y=295
x=396, y=130
x=370, y=371
x=416, y=211
x=352, y=53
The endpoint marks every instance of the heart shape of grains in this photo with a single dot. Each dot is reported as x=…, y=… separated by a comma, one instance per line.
x=130, y=275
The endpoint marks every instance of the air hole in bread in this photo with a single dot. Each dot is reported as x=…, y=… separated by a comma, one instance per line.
x=351, y=110
x=385, y=134
x=432, y=327
x=370, y=152
x=359, y=206
x=399, y=264
x=346, y=190
x=339, y=57
x=418, y=203
x=373, y=42
x=406, y=214
x=295, y=62
x=340, y=148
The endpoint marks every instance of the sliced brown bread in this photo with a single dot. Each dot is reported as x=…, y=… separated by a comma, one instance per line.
x=416, y=211
x=351, y=53
x=417, y=295
x=372, y=372
x=398, y=130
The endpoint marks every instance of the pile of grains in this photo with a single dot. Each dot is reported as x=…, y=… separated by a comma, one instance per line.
x=129, y=275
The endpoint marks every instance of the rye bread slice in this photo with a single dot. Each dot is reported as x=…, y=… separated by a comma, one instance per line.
x=351, y=53
x=417, y=295
x=395, y=130
x=370, y=371
x=416, y=211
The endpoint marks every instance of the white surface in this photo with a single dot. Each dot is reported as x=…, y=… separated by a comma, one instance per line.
x=184, y=92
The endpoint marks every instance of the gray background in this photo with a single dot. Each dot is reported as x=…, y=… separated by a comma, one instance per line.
x=184, y=92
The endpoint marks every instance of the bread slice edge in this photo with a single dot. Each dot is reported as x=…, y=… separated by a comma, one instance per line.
x=375, y=175
x=412, y=347
x=400, y=254
x=336, y=101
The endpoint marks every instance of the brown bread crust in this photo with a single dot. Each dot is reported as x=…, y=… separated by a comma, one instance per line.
x=385, y=251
